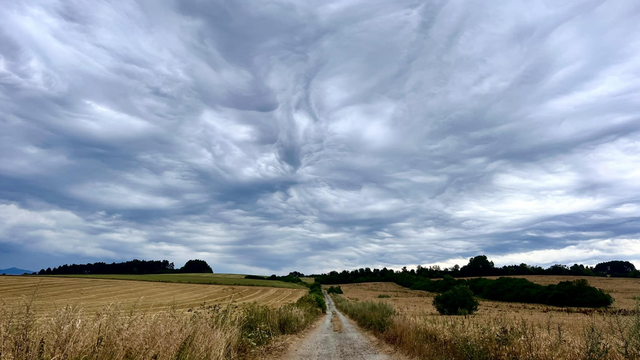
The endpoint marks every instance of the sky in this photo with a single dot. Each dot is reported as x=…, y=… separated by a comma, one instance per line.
x=272, y=136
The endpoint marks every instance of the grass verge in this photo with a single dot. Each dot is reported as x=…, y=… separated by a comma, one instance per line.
x=374, y=316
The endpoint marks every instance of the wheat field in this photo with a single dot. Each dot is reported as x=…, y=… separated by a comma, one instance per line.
x=51, y=293
x=511, y=330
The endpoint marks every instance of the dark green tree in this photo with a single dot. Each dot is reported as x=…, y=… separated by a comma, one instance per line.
x=196, y=266
x=616, y=267
x=478, y=266
x=457, y=301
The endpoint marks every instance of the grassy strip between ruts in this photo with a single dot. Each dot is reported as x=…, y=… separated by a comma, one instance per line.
x=207, y=332
x=211, y=279
x=476, y=337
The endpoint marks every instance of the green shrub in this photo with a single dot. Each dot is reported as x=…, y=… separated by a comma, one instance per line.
x=334, y=290
x=574, y=293
x=457, y=301
x=313, y=300
x=383, y=296
x=315, y=292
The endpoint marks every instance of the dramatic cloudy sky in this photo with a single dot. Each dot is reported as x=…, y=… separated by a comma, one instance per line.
x=270, y=136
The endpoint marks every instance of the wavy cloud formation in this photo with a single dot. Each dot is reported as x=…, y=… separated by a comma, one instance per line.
x=268, y=137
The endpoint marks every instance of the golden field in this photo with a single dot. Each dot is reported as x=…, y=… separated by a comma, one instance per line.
x=511, y=330
x=51, y=293
x=623, y=290
x=101, y=319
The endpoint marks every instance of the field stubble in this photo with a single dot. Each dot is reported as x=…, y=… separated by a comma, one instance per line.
x=70, y=318
x=502, y=330
x=52, y=293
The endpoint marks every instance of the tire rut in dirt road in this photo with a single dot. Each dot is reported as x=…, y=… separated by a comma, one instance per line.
x=326, y=343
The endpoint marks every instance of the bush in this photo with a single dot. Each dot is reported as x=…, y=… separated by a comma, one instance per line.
x=574, y=293
x=315, y=291
x=457, y=301
x=383, y=296
x=334, y=290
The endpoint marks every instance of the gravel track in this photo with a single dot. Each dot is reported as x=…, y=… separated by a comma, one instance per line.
x=325, y=343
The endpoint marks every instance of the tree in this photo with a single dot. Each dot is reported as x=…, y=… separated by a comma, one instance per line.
x=616, y=267
x=457, y=301
x=478, y=266
x=196, y=266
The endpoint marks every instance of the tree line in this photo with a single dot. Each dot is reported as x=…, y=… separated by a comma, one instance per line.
x=293, y=277
x=136, y=267
x=567, y=293
x=481, y=266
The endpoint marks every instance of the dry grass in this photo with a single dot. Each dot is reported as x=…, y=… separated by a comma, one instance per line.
x=92, y=295
x=116, y=331
x=336, y=322
x=510, y=330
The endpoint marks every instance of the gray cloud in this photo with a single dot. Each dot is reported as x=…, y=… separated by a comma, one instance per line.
x=290, y=135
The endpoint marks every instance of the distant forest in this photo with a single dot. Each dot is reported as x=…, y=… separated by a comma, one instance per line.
x=566, y=293
x=130, y=267
x=480, y=266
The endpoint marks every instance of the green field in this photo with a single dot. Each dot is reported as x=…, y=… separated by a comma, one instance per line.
x=212, y=279
x=308, y=280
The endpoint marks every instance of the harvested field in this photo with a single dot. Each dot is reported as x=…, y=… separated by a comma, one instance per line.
x=211, y=279
x=624, y=291
x=561, y=331
x=51, y=293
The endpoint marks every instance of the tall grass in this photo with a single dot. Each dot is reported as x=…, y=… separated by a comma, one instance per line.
x=260, y=323
x=207, y=332
x=375, y=316
x=607, y=336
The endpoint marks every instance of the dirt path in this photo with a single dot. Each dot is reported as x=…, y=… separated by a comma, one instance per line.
x=336, y=338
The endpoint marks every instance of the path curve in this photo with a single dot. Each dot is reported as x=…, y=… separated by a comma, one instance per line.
x=325, y=343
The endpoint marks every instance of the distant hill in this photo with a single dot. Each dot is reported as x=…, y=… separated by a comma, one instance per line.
x=14, y=271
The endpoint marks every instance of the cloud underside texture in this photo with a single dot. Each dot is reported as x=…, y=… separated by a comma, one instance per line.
x=277, y=136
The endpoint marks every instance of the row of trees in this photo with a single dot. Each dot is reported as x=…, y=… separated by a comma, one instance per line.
x=482, y=266
x=129, y=267
x=566, y=293
x=293, y=277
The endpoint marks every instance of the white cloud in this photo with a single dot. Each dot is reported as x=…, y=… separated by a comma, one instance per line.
x=286, y=135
